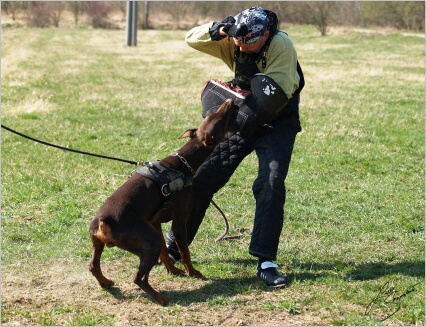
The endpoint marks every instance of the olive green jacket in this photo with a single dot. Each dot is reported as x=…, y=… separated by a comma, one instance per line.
x=281, y=58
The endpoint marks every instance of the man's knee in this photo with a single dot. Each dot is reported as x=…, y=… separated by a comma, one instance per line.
x=270, y=184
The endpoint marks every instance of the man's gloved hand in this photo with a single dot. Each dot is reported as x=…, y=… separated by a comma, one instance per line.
x=227, y=23
x=227, y=27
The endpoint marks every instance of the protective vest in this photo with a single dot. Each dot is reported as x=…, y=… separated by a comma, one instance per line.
x=246, y=66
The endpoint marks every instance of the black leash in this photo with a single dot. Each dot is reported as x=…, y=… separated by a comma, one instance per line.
x=220, y=238
x=71, y=150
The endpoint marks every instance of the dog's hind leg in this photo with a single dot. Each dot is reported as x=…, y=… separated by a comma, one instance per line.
x=147, y=261
x=95, y=263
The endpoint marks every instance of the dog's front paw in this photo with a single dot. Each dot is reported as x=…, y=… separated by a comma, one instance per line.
x=176, y=271
x=106, y=283
x=195, y=273
x=163, y=300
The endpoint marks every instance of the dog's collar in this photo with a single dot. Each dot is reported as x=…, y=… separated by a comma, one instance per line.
x=185, y=162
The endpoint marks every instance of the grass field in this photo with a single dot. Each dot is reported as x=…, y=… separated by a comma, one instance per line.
x=353, y=241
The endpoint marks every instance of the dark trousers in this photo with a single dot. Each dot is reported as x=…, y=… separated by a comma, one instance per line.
x=273, y=145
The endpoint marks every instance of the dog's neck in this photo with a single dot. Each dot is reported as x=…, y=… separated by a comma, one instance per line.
x=193, y=152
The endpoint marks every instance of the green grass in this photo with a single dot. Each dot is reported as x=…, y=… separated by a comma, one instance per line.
x=354, y=217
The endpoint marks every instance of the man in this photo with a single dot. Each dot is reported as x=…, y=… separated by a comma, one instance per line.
x=264, y=62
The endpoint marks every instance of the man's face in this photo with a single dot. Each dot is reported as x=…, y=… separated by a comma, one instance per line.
x=252, y=47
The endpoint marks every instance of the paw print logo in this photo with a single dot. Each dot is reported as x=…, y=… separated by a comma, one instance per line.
x=269, y=89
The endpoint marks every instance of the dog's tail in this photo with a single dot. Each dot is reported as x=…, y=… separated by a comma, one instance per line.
x=104, y=233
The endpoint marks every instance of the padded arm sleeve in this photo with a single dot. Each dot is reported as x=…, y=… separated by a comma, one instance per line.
x=267, y=94
x=252, y=109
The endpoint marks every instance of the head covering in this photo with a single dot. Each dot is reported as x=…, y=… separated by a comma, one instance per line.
x=257, y=23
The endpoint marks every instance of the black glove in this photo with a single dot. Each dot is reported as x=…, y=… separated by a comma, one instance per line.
x=227, y=23
x=227, y=27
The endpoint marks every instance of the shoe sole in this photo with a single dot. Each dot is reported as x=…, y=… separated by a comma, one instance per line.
x=277, y=286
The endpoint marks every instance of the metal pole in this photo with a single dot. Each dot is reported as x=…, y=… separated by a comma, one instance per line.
x=135, y=23
x=132, y=23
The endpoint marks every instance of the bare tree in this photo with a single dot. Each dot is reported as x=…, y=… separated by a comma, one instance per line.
x=413, y=15
x=77, y=9
x=121, y=6
x=12, y=8
x=184, y=14
x=176, y=9
x=146, y=16
x=358, y=14
x=319, y=13
x=39, y=14
x=55, y=11
x=99, y=11
x=204, y=7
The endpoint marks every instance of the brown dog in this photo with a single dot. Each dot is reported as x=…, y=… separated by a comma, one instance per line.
x=131, y=217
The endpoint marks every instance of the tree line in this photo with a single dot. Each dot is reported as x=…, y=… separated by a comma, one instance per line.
x=185, y=14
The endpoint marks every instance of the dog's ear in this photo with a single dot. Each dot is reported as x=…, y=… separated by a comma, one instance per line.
x=209, y=140
x=189, y=133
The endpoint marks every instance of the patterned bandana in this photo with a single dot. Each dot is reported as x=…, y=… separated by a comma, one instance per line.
x=257, y=22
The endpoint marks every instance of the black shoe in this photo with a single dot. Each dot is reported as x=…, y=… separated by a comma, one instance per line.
x=268, y=272
x=172, y=249
x=174, y=253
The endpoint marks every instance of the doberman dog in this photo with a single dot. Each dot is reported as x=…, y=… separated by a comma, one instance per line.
x=131, y=217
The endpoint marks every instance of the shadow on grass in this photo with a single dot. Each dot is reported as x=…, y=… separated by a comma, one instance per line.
x=366, y=271
x=217, y=290
x=221, y=290
x=379, y=269
x=116, y=293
